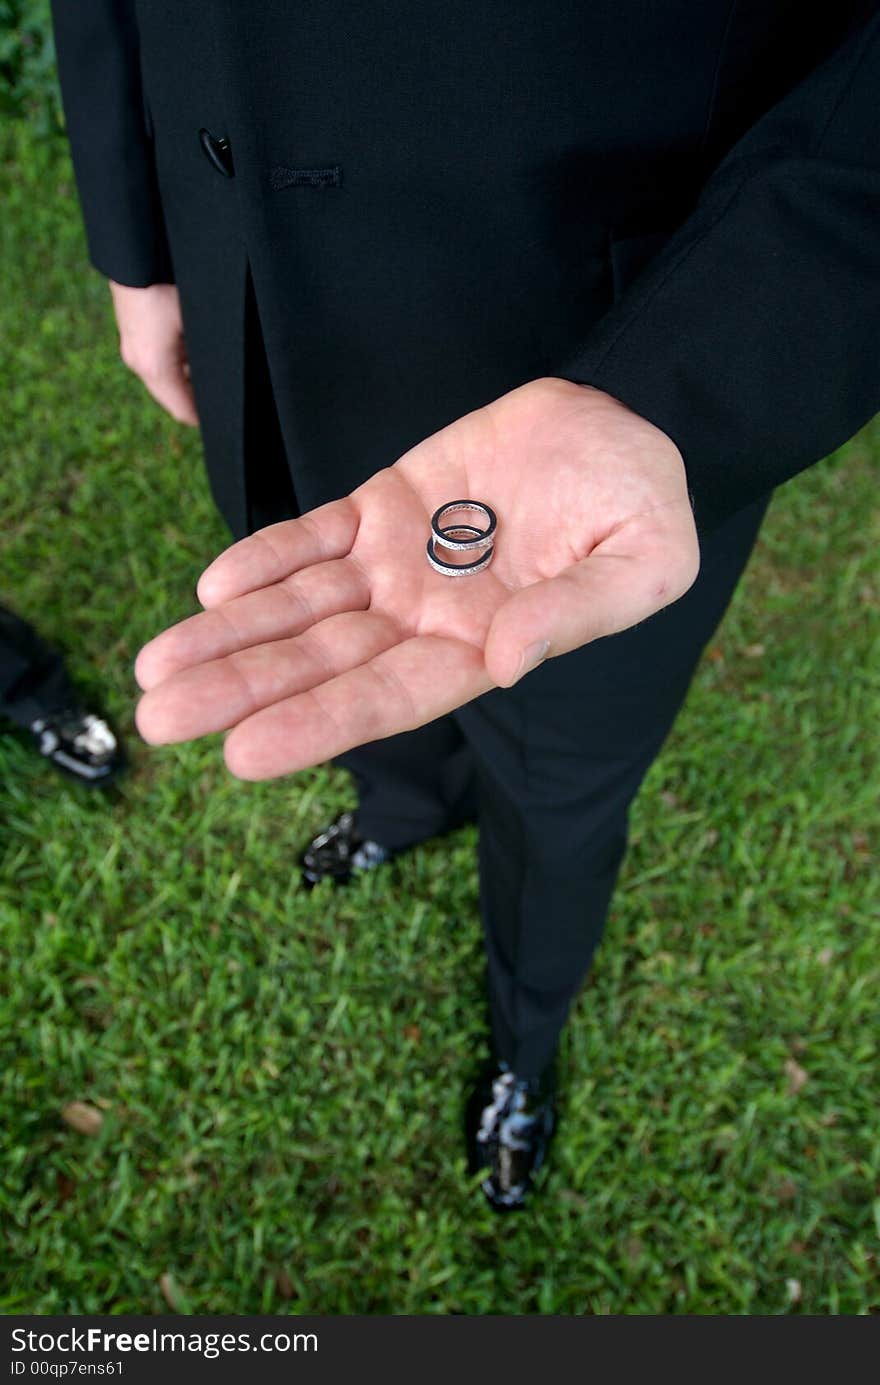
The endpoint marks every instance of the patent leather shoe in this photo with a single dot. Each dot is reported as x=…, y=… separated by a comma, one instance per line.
x=339, y=852
x=80, y=744
x=509, y=1123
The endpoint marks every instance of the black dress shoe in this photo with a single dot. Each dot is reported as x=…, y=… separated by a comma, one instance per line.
x=509, y=1123
x=339, y=852
x=80, y=744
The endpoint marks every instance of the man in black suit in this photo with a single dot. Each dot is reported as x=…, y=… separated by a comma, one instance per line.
x=611, y=270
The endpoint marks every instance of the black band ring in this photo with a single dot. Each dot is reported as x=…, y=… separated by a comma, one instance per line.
x=484, y=537
x=458, y=569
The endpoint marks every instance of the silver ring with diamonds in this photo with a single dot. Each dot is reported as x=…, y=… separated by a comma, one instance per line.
x=483, y=537
x=458, y=569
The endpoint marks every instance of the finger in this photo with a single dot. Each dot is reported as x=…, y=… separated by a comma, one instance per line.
x=278, y=550
x=287, y=608
x=402, y=688
x=174, y=392
x=640, y=568
x=216, y=695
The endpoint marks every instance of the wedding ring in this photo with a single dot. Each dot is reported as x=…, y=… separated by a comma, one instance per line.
x=458, y=531
x=484, y=537
x=458, y=569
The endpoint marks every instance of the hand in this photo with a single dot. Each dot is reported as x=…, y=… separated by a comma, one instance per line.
x=332, y=630
x=151, y=343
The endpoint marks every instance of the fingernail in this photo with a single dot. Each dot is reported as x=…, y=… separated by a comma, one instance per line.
x=532, y=656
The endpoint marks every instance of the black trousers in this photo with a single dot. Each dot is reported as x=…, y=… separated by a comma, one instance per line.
x=33, y=681
x=547, y=768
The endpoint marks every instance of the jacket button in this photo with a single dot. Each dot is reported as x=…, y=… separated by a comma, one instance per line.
x=218, y=151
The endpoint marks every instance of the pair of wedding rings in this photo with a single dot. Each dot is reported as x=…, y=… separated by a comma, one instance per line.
x=462, y=538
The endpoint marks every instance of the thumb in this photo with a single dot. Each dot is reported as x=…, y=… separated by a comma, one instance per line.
x=621, y=583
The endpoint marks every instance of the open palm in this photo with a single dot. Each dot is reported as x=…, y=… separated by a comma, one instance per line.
x=331, y=630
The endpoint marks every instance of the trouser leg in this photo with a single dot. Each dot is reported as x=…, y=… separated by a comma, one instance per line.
x=415, y=785
x=410, y=786
x=33, y=679
x=560, y=757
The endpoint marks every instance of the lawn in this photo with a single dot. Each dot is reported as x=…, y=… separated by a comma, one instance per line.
x=275, y=1078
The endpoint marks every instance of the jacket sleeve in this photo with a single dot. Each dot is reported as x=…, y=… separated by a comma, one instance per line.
x=753, y=338
x=96, y=44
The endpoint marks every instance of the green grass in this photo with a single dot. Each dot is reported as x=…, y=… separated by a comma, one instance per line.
x=280, y=1074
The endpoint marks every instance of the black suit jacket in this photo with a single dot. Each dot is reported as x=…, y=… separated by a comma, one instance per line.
x=675, y=200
